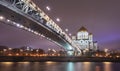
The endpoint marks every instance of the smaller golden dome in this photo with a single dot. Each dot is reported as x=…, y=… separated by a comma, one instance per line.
x=90, y=34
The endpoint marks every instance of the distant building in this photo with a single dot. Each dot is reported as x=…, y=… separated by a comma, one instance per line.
x=26, y=48
x=84, y=40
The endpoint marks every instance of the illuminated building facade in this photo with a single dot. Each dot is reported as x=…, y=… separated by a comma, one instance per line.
x=84, y=40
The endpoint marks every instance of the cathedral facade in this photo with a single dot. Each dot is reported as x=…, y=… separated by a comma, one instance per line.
x=84, y=40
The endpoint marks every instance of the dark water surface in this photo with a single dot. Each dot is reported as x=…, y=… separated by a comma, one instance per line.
x=59, y=66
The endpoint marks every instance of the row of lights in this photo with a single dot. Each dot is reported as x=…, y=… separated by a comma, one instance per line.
x=25, y=28
x=48, y=8
x=21, y=26
x=100, y=55
x=57, y=19
x=28, y=29
x=35, y=32
x=21, y=50
x=9, y=53
x=69, y=33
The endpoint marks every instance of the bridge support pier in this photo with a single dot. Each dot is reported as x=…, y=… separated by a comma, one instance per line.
x=78, y=53
x=70, y=53
x=73, y=53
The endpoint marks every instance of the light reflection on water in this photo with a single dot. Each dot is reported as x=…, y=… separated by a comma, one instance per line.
x=70, y=66
x=6, y=63
x=107, y=66
x=86, y=66
x=59, y=66
x=97, y=68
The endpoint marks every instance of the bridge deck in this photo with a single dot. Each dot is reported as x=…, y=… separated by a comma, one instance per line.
x=25, y=20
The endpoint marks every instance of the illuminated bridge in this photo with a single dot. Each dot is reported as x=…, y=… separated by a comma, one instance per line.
x=25, y=15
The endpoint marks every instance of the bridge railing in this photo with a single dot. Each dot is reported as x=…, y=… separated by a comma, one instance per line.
x=28, y=7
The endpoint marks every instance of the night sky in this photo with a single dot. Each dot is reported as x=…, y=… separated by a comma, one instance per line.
x=100, y=17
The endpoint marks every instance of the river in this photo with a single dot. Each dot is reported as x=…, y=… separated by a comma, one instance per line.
x=59, y=66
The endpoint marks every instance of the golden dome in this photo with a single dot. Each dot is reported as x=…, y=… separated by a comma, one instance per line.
x=82, y=29
x=90, y=34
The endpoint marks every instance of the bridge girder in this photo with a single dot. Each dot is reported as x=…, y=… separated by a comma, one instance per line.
x=35, y=13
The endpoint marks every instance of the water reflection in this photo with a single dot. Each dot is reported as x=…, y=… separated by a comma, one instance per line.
x=86, y=66
x=25, y=63
x=7, y=63
x=50, y=62
x=70, y=66
x=59, y=66
x=6, y=66
x=107, y=66
x=97, y=68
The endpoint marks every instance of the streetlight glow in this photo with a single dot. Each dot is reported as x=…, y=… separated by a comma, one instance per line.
x=70, y=34
x=66, y=30
x=48, y=8
x=105, y=50
x=1, y=17
x=10, y=48
x=8, y=20
x=57, y=19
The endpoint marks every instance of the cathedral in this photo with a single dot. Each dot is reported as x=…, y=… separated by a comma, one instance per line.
x=84, y=40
